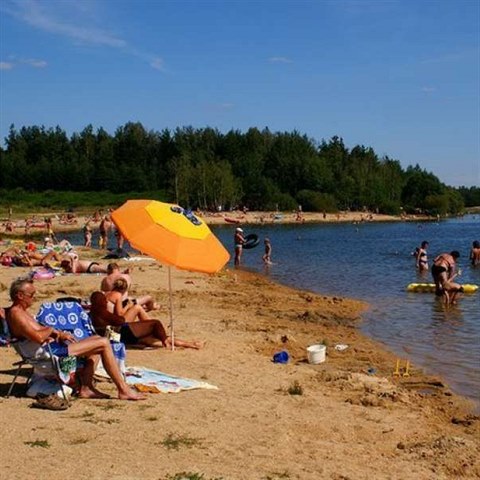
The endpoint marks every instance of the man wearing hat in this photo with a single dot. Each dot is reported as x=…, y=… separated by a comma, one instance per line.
x=239, y=240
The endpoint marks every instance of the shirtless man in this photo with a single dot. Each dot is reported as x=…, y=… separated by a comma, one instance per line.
x=25, y=328
x=443, y=272
x=72, y=264
x=114, y=273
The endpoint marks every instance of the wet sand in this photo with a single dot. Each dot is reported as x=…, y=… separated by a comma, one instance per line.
x=354, y=419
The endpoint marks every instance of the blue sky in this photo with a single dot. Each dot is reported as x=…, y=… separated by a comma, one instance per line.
x=400, y=76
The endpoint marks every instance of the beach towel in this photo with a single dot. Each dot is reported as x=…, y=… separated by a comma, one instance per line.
x=138, y=259
x=153, y=381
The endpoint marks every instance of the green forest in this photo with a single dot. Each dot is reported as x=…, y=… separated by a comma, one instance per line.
x=207, y=169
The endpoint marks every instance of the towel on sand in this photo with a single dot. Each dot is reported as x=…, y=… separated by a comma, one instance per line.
x=163, y=382
x=153, y=381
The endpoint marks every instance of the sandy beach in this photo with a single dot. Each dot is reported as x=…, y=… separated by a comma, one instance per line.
x=219, y=218
x=353, y=419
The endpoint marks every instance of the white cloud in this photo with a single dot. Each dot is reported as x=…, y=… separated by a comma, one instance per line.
x=157, y=64
x=15, y=62
x=429, y=89
x=56, y=19
x=279, y=60
x=36, y=14
x=34, y=63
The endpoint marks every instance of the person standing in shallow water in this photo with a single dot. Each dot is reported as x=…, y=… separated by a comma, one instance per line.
x=444, y=270
x=267, y=256
x=239, y=241
x=421, y=259
x=475, y=253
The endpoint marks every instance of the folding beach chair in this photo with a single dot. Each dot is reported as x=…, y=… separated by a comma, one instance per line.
x=71, y=317
x=40, y=357
x=43, y=363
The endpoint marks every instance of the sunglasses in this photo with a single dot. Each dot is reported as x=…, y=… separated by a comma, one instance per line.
x=29, y=295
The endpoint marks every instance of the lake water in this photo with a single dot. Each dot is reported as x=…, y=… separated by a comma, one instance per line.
x=373, y=262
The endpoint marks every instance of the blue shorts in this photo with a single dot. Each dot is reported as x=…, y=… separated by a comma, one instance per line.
x=59, y=349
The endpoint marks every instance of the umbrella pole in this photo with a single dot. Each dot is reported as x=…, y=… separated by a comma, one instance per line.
x=171, y=306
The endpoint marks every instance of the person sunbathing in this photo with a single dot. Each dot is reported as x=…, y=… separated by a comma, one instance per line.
x=7, y=256
x=114, y=273
x=26, y=329
x=148, y=332
x=72, y=264
x=36, y=259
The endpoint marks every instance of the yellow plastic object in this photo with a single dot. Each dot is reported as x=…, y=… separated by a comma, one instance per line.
x=430, y=287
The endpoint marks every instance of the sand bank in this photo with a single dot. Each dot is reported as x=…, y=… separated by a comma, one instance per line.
x=353, y=420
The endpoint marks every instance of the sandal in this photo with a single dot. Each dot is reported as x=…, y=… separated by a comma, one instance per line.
x=50, y=402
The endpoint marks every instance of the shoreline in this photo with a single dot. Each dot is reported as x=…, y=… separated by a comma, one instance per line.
x=350, y=422
x=221, y=218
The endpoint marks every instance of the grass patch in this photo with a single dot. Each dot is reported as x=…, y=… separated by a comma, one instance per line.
x=79, y=441
x=295, y=388
x=277, y=475
x=38, y=443
x=111, y=406
x=174, y=442
x=96, y=421
x=190, y=476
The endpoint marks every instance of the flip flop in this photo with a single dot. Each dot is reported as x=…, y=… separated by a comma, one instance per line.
x=50, y=402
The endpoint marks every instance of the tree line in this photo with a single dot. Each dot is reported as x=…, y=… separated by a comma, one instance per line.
x=206, y=169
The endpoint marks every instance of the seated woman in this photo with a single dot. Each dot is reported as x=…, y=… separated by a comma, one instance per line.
x=72, y=264
x=117, y=304
x=150, y=333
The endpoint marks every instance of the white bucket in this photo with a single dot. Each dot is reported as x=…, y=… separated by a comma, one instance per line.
x=316, y=353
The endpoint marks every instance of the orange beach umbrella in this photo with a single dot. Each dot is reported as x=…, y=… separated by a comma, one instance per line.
x=172, y=236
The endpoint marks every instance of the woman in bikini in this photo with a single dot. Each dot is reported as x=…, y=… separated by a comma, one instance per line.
x=443, y=272
x=421, y=257
x=87, y=234
x=135, y=325
x=72, y=264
